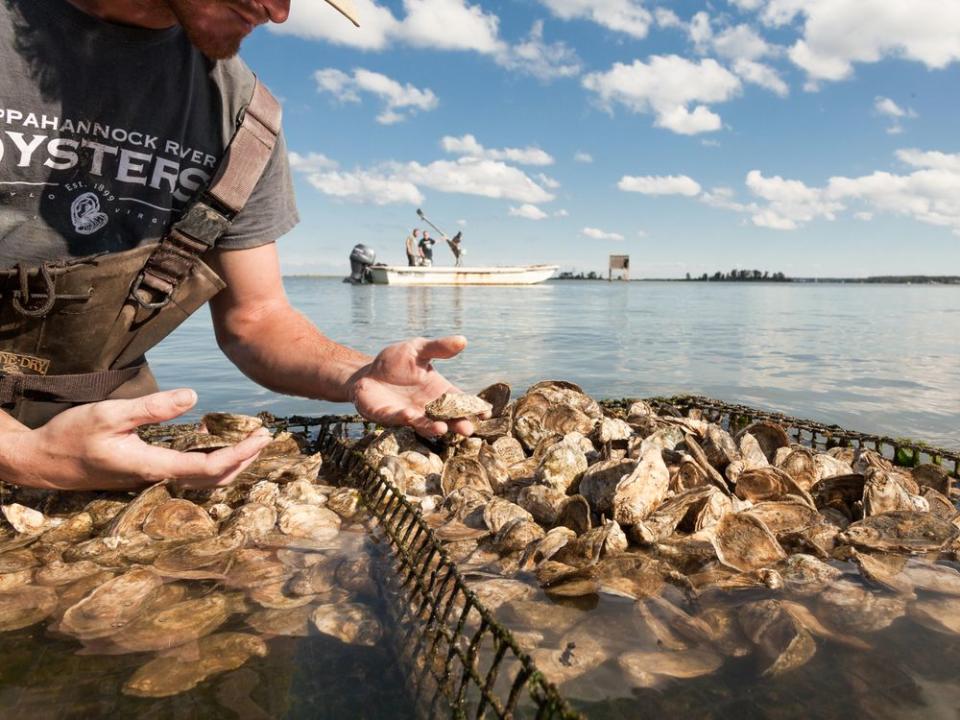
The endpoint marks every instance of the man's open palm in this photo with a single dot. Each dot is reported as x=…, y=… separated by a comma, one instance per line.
x=396, y=385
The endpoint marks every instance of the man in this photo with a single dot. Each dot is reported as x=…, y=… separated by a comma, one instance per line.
x=456, y=247
x=426, y=249
x=412, y=254
x=127, y=134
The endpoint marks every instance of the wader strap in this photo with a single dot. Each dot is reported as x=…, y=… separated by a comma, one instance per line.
x=79, y=388
x=209, y=216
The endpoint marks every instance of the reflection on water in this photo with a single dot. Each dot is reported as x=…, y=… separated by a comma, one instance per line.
x=872, y=358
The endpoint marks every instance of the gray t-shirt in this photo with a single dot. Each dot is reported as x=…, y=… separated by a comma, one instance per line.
x=107, y=131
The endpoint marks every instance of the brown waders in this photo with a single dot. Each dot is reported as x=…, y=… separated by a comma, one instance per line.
x=76, y=331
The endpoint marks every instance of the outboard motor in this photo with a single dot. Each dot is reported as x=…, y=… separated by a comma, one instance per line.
x=361, y=258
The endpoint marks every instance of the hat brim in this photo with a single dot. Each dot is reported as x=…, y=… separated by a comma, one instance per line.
x=347, y=9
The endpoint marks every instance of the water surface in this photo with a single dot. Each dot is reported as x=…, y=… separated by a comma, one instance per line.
x=874, y=358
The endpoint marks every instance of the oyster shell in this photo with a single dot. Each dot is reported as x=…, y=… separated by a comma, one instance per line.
x=291, y=622
x=309, y=521
x=231, y=427
x=350, y=623
x=191, y=664
x=778, y=635
x=454, y=405
x=938, y=614
x=177, y=519
x=112, y=606
x=744, y=543
x=498, y=395
x=647, y=668
x=168, y=627
x=25, y=606
x=252, y=520
x=901, y=531
x=129, y=521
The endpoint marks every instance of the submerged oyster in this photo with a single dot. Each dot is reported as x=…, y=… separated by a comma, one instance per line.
x=351, y=623
x=901, y=531
x=112, y=606
x=25, y=606
x=191, y=664
x=744, y=543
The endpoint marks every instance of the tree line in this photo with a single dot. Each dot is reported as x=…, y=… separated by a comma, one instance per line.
x=741, y=276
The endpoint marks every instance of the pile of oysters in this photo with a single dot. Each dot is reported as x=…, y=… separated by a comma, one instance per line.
x=195, y=580
x=657, y=546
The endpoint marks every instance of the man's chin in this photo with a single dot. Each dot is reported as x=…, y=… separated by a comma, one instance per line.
x=215, y=47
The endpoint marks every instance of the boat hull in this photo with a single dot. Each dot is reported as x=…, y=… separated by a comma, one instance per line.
x=508, y=275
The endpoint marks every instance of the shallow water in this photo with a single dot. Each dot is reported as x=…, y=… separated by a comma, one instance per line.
x=874, y=358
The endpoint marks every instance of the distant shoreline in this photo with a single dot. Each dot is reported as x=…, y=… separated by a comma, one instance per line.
x=873, y=280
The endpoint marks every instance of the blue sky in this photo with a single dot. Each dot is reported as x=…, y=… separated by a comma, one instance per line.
x=814, y=137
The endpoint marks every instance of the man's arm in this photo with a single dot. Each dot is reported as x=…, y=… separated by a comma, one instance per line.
x=277, y=347
x=269, y=341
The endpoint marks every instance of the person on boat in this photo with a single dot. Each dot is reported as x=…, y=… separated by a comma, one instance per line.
x=413, y=255
x=143, y=172
x=426, y=249
x=456, y=247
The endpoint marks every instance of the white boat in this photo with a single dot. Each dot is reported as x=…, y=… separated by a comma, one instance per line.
x=440, y=275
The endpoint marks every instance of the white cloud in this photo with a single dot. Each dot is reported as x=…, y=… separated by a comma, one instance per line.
x=528, y=211
x=839, y=33
x=547, y=181
x=700, y=30
x=397, y=182
x=399, y=101
x=462, y=223
x=561, y=213
x=317, y=21
x=366, y=186
x=439, y=24
x=761, y=74
x=598, y=234
x=741, y=42
x=626, y=16
x=667, y=18
x=544, y=61
x=929, y=194
x=468, y=146
x=311, y=162
x=450, y=25
x=473, y=176
x=665, y=86
x=583, y=157
x=886, y=107
x=660, y=185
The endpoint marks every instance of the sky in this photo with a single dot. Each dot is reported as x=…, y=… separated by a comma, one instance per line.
x=810, y=137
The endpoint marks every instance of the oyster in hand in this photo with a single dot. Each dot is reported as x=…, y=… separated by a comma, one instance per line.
x=454, y=405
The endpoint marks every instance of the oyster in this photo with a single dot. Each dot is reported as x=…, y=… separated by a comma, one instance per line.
x=853, y=609
x=25, y=606
x=744, y=543
x=25, y=520
x=252, y=520
x=542, y=502
x=561, y=466
x=498, y=395
x=494, y=592
x=454, y=405
x=345, y=502
x=198, y=554
x=177, y=519
x=191, y=664
x=648, y=668
x=806, y=575
x=509, y=449
x=939, y=614
x=231, y=427
x=129, y=521
x=291, y=622
x=199, y=442
x=309, y=521
x=464, y=472
x=168, y=627
x=578, y=654
x=112, y=606
x=351, y=623
x=778, y=635
x=901, y=531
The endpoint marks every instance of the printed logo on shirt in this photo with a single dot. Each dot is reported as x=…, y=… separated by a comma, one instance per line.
x=85, y=214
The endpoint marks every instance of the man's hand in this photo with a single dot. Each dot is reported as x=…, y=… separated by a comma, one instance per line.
x=96, y=447
x=395, y=386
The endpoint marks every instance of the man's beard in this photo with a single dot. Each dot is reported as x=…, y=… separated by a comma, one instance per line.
x=216, y=46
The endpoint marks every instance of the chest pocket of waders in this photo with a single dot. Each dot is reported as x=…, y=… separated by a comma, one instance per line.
x=76, y=332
